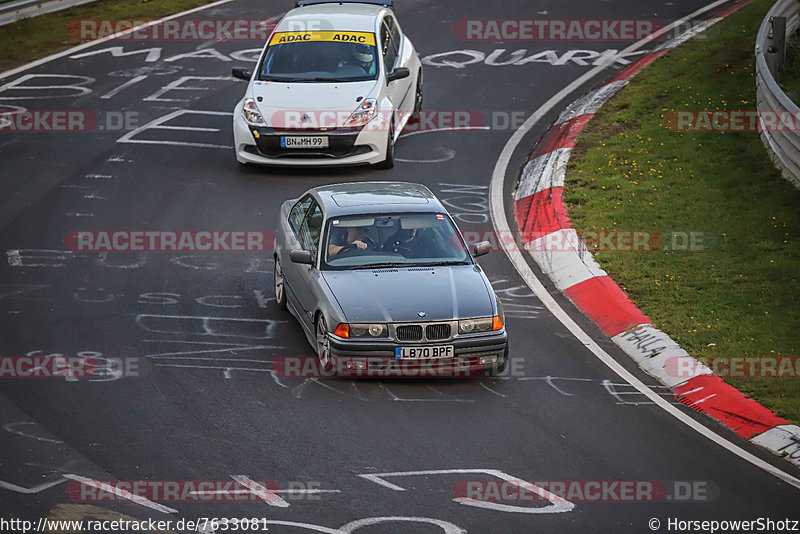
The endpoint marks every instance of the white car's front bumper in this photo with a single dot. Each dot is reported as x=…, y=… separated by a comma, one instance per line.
x=366, y=147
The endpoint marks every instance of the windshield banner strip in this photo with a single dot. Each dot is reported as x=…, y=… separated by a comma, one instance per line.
x=365, y=38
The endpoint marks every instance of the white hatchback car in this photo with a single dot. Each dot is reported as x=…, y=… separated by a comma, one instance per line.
x=335, y=84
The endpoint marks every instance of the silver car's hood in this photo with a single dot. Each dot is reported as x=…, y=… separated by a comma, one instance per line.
x=388, y=295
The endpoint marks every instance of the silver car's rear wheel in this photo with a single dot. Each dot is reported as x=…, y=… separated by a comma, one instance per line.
x=280, y=285
x=323, y=344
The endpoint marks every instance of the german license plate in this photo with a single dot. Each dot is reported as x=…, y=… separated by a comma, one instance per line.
x=423, y=353
x=305, y=141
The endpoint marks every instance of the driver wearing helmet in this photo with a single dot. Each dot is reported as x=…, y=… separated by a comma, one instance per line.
x=362, y=56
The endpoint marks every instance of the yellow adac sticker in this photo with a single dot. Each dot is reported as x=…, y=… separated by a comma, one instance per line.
x=366, y=38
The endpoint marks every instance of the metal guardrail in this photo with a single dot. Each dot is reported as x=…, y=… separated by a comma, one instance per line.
x=21, y=9
x=782, y=20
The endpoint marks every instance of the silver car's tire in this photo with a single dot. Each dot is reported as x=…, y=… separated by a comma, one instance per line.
x=323, y=344
x=280, y=285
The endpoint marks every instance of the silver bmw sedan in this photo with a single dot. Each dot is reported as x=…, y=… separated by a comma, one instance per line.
x=382, y=282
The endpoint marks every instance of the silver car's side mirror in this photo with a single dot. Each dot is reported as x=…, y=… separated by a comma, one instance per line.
x=301, y=256
x=479, y=249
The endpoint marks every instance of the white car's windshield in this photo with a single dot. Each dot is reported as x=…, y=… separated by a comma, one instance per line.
x=324, y=56
x=393, y=240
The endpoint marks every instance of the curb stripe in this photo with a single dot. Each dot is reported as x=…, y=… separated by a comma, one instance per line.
x=543, y=218
x=709, y=394
x=564, y=258
x=589, y=104
x=602, y=300
x=561, y=135
x=544, y=172
x=542, y=213
x=637, y=67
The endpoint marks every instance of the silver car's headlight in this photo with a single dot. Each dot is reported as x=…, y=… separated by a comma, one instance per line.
x=251, y=114
x=473, y=326
x=363, y=113
x=368, y=330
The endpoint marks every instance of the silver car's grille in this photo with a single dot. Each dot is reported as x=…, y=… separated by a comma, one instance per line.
x=437, y=331
x=431, y=331
x=410, y=332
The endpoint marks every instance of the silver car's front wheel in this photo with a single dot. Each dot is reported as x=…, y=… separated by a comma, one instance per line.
x=280, y=285
x=323, y=344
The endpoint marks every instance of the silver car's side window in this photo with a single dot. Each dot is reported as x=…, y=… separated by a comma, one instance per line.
x=298, y=213
x=311, y=229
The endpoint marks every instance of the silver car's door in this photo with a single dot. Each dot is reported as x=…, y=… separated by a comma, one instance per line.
x=305, y=275
x=290, y=230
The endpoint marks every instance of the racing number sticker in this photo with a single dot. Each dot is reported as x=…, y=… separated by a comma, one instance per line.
x=366, y=38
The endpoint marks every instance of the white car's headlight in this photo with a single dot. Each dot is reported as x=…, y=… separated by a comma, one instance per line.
x=251, y=114
x=364, y=113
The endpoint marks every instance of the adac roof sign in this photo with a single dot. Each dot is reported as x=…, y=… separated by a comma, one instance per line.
x=366, y=38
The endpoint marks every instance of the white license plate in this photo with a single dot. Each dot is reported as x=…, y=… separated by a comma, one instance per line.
x=304, y=142
x=424, y=353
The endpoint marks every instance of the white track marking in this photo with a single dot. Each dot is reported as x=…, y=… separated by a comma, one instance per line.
x=90, y=44
x=187, y=354
x=30, y=491
x=159, y=124
x=269, y=496
x=447, y=527
x=227, y=370
x=12, y=427
x=518, y=261
x=490, y=390
x=557, y=504
x=108, y=488
x=124, y=86
x=449, y=154
x=448, y=129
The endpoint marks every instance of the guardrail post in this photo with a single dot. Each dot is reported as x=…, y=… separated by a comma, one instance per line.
x=783, y=146
x=779, y=38
x=772, y=61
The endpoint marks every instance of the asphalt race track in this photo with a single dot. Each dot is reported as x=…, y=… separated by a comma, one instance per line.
x=203, y=327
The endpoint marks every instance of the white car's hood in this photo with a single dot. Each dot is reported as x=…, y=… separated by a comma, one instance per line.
x=283, y=103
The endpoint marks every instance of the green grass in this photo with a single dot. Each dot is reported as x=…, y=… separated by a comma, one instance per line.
x=628, y=171
x=32, y=38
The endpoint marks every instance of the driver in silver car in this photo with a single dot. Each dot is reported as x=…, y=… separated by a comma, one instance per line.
x=348, y=238
x=410, y=242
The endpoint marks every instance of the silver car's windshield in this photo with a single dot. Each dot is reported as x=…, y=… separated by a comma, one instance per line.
x=393, y=240
x=320, y=57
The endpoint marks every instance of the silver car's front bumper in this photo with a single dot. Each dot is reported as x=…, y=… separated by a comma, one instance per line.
x=472, y=356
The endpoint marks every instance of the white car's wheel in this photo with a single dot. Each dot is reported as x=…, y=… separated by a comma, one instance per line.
x=388, y=163
x=418, y=98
